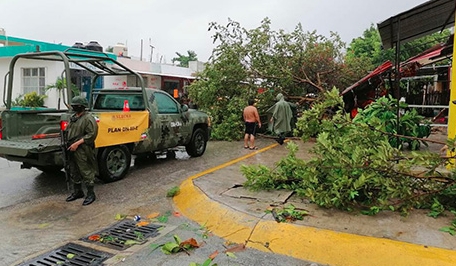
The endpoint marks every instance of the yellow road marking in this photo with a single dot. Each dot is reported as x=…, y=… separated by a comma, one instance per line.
x=302, y=242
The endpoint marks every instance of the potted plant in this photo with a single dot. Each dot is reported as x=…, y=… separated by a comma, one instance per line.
x=30, y=100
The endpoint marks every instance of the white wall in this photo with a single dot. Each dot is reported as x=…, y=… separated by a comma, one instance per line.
x=52, y=69
x=115, y=81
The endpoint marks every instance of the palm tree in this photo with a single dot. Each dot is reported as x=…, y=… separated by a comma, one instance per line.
x=184, y=59
x=60, y=85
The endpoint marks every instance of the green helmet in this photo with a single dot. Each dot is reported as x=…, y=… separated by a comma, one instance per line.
x=79, y=100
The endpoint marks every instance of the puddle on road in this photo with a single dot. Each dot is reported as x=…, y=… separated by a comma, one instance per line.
x=149, y=159
x=45, y=213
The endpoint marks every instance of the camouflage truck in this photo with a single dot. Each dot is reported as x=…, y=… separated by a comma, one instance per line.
x=131, y=120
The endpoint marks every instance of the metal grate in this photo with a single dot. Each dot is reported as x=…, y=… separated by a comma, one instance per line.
x=118, y=235
x=82, y=256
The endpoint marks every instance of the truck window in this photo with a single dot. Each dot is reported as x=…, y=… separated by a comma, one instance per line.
x=165, y=104
x=116, y=102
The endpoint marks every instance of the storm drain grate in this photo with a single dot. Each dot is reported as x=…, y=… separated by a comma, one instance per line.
x=70, y=254
x=123, y=235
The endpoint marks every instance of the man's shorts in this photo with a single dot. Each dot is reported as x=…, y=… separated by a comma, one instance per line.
x=250, y=128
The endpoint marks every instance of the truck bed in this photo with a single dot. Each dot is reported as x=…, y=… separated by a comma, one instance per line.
x=24, y=147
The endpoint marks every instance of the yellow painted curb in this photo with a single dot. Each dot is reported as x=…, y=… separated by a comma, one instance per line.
x=302, y=242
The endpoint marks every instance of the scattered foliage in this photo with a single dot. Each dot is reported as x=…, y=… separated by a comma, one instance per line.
x=178, y=245
x=452, y=228
x=287, y=214
x=153, y=215
x=164, y=218
x=120, y=216
x=173, y=191
x=205, y=263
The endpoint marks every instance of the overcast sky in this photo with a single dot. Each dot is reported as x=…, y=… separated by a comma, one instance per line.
x=178, y=25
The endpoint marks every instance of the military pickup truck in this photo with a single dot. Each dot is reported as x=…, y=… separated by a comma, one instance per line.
x=131, y=120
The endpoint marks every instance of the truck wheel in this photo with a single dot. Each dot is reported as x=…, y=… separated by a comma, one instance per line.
x=197, y=145
x=114, y=163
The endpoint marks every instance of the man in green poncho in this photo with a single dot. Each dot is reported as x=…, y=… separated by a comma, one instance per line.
x=82, y=131
x=281, y=118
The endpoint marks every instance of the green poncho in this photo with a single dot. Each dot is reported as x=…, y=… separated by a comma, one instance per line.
x=281, y=114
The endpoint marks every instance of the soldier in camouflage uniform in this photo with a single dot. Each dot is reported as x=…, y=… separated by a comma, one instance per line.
x=81, y=133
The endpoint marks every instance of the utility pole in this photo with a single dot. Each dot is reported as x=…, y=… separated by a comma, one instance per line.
x=141, y=49
x=151, y=50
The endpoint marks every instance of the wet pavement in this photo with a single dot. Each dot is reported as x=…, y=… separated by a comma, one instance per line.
x=220, y=214
x=35, y=219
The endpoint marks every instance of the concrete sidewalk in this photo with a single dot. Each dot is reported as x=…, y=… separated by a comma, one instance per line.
x=214, y=198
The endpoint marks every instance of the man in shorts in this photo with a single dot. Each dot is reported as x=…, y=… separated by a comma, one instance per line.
x=251, y=118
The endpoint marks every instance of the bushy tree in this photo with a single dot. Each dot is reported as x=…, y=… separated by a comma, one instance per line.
x=369, y=48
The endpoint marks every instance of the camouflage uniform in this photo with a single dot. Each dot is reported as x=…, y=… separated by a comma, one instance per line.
x=83, y=165
x=81, y=133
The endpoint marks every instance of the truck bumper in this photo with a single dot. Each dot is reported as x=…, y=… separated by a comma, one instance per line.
x=32, y=152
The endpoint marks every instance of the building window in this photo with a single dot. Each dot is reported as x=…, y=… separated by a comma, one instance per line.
x=170, y=86
x=33, y=79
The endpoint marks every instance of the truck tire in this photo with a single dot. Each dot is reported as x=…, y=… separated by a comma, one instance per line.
x=114, y=163
x=197, y=145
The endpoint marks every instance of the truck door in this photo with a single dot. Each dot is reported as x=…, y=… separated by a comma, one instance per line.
x=172, y=129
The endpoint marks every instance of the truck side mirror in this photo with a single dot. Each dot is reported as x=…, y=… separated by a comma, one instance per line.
x=184, y=108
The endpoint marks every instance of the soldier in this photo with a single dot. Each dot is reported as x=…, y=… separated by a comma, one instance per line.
x=81, y=133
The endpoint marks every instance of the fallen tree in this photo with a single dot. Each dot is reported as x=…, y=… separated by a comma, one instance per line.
x=355, y=166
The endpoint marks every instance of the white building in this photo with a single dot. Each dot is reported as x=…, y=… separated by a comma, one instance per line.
x=32, y=75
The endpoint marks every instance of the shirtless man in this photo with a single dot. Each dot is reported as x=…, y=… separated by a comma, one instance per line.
x=251, y=117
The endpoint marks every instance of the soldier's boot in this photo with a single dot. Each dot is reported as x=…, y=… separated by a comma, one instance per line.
x=280, y=139
x=77, y=193
x=90, y=196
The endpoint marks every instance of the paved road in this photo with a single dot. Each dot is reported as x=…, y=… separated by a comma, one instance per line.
x=34, y=218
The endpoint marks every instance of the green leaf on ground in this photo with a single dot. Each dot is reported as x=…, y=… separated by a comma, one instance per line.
x=231, y=255
x=448, y=229
x=164, y=218
x=170, y=248
x=131, y=242
x=120, y=216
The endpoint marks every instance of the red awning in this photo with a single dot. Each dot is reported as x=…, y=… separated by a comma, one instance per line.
x=379, y=70
x=427, y=57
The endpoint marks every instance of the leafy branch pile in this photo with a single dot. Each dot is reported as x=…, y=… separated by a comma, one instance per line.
x=355, y=167
x=384, y=112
